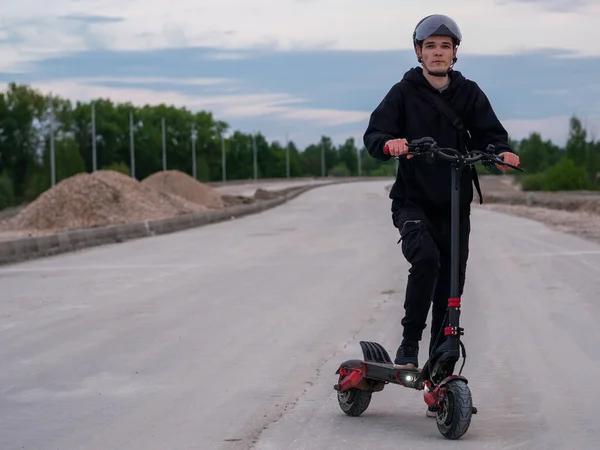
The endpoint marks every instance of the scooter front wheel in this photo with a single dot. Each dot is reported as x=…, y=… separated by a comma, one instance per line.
x=456, y=408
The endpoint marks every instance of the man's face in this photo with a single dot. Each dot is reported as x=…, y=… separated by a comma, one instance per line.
x=437, y=53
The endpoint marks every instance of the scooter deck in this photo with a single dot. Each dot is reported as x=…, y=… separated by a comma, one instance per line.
x=378, y=366
x=407, y=376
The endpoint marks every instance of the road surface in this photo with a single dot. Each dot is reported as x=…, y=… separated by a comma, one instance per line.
x=228, y=336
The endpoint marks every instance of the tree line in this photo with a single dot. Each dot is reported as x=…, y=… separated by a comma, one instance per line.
x=33, y=123
x=548, y=167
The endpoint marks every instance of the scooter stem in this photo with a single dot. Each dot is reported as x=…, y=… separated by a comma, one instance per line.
x=454, y=300
x=454, y=232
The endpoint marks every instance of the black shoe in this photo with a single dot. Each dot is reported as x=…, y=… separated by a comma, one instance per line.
x=408, y=353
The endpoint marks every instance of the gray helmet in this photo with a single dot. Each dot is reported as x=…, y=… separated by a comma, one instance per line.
x=437, y=25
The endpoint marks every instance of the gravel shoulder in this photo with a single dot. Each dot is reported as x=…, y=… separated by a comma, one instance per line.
x=580, y=223
x=576, y=213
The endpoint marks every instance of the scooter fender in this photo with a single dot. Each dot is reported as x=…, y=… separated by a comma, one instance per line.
x=351, y=374
x=350, y=364
x=452, y=377
x=431, y=397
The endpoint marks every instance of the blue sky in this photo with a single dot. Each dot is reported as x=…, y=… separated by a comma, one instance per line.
x=304, y=67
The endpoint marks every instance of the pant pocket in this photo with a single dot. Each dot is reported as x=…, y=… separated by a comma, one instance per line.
x=411, y=236
x=409, y=227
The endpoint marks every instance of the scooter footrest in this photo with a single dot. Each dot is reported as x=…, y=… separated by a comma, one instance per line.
x=372, y=351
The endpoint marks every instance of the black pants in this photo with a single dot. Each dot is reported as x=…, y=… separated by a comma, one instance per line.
x=425, y=239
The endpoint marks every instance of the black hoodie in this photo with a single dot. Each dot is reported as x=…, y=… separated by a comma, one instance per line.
x=405, y=113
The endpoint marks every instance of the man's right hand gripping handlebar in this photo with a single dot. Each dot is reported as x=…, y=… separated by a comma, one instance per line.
x=396, y=147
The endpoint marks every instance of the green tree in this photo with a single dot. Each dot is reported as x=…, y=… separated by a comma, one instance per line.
x=577, y=147
x=23, y=112
x=348, y=157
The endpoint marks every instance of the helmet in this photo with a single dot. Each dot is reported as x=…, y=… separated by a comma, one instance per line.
x=436, y=25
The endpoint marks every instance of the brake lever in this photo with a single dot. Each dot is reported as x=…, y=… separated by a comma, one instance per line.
x=501, y=162
x=514, y=167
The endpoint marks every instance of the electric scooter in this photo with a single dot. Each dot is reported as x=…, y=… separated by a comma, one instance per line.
x=446, y=393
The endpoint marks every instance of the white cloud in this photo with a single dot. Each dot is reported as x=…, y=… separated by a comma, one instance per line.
x=326, y=117
x=149, y=80
x=276, y=106
x=277, y=114
x=273, y=114
x=219, y=56
x=489, y=26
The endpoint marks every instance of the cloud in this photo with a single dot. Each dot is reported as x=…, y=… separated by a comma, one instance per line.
x=151, y=81
x=269, y=113
x=91, y=19
x=67, y=26
x=555, y=5
x=316, y=93
x=520, y=86
x=31, y=39
x=307, y=67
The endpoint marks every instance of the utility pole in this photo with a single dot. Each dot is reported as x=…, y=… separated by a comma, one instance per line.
x=52, y=155
x=287, y=156
x=164, y=144
x=194, y=136
x=255, y=158
x=322, y=159
x=131, y=145
x=94, y=163
x=223, y=158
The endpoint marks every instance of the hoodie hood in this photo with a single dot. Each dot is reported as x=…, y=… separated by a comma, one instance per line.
x=415, y=75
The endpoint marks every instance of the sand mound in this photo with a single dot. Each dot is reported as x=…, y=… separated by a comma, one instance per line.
x=185, y=186
x=101, y=198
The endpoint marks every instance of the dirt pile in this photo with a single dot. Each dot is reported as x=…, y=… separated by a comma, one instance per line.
x=101, y=198
x=185, y=186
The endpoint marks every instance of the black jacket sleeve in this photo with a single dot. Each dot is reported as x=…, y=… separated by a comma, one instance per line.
x=484, y=125
x=384, y=124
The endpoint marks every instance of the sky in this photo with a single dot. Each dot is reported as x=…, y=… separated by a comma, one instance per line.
x=304, y=68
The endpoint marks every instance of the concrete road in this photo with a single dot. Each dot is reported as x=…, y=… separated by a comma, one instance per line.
x=228, y=336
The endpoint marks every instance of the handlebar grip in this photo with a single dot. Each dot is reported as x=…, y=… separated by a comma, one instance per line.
x=386, y=149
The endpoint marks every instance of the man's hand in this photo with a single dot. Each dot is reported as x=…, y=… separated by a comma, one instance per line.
x=509, y=158
x=397, y=147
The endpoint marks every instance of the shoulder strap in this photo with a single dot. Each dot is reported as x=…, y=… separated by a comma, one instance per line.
x=439, y=104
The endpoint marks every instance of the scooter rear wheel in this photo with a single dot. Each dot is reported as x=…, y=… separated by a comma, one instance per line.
x=354, y=401
x=456, y=408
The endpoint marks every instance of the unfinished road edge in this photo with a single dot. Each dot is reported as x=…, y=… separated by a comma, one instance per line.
x=35, y=247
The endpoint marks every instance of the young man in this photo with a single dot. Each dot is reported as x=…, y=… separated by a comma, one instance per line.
x=421, y=194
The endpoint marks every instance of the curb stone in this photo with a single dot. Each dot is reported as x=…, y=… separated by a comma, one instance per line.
x=34, y=247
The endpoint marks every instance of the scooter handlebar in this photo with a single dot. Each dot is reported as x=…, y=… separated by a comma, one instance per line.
x=427, y=146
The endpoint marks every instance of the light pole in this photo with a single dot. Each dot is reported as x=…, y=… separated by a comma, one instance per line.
x=194, y=137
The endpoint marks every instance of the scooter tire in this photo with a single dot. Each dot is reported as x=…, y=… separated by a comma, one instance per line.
x=456, y=409
x=354, y=401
